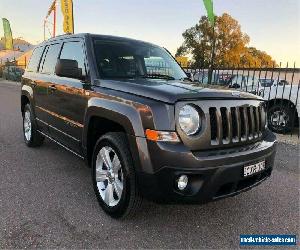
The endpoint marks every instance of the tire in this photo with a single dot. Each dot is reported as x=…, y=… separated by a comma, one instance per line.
x=280, y=118
x=32, y=137
x=116, y=186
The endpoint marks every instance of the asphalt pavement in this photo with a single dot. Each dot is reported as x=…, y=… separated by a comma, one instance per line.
x=47, y=201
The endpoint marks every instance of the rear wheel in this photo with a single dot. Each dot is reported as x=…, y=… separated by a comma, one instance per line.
x=32, y=137
x=280, y=118
x=114, y=176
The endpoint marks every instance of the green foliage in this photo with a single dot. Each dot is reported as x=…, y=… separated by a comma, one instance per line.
x=230, y=45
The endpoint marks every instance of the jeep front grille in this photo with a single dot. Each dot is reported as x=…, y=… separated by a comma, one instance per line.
x=225, y=123
x=235, y=124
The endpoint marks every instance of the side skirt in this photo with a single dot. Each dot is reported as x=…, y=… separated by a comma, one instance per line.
x=68, y=149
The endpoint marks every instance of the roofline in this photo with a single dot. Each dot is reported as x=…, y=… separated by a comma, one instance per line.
x=59, y=37
x=83, y=35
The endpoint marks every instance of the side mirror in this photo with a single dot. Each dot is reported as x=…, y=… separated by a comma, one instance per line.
x=68, y=68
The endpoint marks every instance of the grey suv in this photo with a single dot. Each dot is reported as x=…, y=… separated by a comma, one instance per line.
x=129, y=110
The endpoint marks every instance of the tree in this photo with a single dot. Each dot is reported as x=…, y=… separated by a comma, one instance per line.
x=257, y=58
x=230, y=44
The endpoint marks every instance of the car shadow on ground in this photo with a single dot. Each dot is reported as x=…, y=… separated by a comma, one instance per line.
x=228, y=211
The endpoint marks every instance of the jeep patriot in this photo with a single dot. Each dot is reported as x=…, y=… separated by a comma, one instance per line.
x=146, y=130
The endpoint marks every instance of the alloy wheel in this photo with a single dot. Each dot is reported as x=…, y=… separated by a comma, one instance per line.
x=279, y=118
x=109, y=176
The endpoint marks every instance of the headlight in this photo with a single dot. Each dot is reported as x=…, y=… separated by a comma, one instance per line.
x=189, y=120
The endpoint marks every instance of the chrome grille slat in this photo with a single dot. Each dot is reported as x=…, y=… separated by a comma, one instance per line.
x=226, y=125
x=229, y=125
x=213, y=125
x=238, y=117
x=251, y=122
x=219, y=127
x=246, y=123
x=256, y=121
x=235, y=124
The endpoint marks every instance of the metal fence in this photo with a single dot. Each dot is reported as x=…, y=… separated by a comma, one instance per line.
x=278, y=86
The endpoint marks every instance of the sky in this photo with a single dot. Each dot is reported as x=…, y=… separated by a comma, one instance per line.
x=273, y=25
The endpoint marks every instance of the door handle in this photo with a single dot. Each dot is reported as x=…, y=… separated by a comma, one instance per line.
x=52, y=87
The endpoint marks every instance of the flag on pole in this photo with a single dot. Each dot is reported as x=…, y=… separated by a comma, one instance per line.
x=7, y=35
x=210, y=11
x=52, y=8
x=67, y=11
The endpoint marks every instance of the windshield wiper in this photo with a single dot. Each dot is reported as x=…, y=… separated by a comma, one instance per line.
x=158, y=76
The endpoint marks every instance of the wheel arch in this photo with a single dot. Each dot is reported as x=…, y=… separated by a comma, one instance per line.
x=103, y=116
x=26, y=96
x=280, y=101
x=97, y=127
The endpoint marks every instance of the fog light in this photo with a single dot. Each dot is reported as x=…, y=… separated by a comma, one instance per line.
x=182, y=182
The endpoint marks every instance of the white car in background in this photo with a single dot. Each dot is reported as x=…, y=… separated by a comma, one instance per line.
x=282, y=103
x=281, y=97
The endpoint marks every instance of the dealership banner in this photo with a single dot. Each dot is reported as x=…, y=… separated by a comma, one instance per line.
x=7, y=34
x=52, y=8
x=67, y=11
x=209, y=5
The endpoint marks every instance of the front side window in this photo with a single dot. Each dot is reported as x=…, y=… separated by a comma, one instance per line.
x=126, y=59
x=73, y=51
x=35, y=59
x=51, y=59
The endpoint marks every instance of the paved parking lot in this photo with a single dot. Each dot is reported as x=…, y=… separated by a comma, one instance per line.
x=47, y=200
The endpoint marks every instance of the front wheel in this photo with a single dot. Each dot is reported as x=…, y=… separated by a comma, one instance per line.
x=280, y=118
x=114, y=177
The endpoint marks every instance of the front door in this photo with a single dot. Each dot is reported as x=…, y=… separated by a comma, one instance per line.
x=68, y=100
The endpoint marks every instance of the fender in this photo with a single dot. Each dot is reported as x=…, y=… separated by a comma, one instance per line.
x=125, y=112
x=28, y=92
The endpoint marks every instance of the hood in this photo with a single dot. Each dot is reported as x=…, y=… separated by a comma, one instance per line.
x=173, y=91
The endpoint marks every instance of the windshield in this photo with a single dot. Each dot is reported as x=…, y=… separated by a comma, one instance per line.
x=133, y=59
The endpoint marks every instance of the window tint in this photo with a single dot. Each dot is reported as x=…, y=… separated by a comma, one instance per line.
x=73, y=51
x=126, y=59
x=51, y=59
x=35, y=59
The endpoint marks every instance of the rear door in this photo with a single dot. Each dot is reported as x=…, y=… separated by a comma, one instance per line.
x=44, y=81
x=68, y=99
x=31, y=79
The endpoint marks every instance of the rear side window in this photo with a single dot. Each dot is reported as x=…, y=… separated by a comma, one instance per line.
x=73, y=51
x=51, y=59
x=35, y=59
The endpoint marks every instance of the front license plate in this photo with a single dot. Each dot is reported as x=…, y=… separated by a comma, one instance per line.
x=255, y=168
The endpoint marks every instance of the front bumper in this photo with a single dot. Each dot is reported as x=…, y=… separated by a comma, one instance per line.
x=212, y=174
